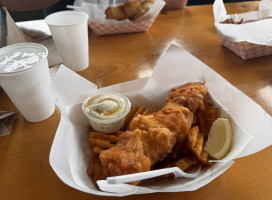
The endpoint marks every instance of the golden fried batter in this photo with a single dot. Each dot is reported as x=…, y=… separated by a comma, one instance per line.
x=206, y=117
x=152, y=137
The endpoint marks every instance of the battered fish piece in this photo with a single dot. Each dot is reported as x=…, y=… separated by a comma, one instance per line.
x=191, y=96
x=144, y=145
x=132, y=7
x=137, y=151
x=145, y=6
x=116, y=13
x=95, y=170
x=131, y=10
x=127, y=157
x=152, y=137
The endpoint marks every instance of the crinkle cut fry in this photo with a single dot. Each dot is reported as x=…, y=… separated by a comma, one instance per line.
x=182, y=163
x=195, y=143
x=206, y=117
x=101, y=141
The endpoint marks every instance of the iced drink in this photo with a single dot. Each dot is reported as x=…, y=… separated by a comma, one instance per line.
x=24, y=75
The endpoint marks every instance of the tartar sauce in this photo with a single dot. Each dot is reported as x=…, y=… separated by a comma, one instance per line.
x=106, y=106
x=106, y=112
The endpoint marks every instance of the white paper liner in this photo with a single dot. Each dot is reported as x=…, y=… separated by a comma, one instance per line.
x=71, y=153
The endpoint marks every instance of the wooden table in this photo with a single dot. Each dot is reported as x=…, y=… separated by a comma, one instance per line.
x=25, y=172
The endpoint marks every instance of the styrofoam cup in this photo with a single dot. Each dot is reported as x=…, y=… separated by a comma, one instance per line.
x=24, y=75
x=70, y=34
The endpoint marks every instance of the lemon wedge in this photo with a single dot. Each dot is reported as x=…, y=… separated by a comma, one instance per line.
x=219, y=139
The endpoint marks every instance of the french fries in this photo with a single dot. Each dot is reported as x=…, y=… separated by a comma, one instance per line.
x=206, y=117
x=183, y=163
x=101, y=141
x=140, y=111
x=104, y=136
x=195, y=142
x=231, y=21
x=129, y=117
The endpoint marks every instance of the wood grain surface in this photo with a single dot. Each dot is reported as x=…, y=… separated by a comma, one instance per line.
x=25, y=172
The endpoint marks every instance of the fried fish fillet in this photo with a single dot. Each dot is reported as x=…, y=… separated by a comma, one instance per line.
x=132, y=7
x=151, y=138
x=116, y=13
x=191, y=96
x=137, y=151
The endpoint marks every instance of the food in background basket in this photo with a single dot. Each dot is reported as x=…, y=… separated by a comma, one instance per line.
x=242, y=21
x=131, y=10
x=231, y=21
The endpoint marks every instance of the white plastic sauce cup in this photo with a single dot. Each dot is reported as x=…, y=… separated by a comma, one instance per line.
x=28, y=87
x=70, y=33
x=107, y=124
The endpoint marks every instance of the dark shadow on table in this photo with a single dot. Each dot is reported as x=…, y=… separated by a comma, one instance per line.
x=61, y=5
